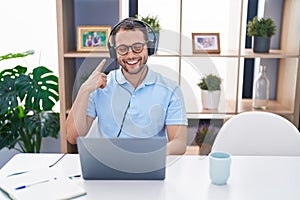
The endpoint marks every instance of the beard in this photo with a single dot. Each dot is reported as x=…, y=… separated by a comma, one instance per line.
x=134, y=71
x=137, y=69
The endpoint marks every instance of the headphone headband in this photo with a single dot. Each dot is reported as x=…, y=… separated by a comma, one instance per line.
x=151, y=44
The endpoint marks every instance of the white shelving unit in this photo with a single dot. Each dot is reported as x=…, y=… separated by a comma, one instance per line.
x=179, y=63
x=230, y=62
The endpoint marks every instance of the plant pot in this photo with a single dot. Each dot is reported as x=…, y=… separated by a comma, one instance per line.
x=261, y=45
x=210, y=99
x=204, y=149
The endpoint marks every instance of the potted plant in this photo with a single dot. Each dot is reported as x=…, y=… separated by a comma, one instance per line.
x=152, y=21
x=210, y=86
x=26, y=103
x=205, y=137
x=262, y=30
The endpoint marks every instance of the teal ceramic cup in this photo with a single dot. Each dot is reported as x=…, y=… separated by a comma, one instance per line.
x=219, y=167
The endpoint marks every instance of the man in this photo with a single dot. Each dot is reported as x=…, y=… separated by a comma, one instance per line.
x=133, y=101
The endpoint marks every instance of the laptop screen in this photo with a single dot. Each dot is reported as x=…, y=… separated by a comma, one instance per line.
x=122, y=158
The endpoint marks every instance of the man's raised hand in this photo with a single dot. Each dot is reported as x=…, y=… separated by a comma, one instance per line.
x=97, y=79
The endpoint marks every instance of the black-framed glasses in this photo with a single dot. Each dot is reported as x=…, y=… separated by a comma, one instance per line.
x=135, y=48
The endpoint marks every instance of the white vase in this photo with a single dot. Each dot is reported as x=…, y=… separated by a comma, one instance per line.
x=210, y=99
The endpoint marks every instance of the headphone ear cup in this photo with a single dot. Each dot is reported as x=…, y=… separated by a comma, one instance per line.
x=151, y=48
x=112, y=52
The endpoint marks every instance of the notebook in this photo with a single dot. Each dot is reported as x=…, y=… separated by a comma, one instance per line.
x=44, y=183
x=122, y=158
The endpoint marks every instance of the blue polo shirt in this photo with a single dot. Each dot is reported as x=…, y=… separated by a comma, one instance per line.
x=142, y=112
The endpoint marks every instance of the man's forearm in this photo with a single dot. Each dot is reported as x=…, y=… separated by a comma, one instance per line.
x=176, y=147
x=177, y=139
x=77, y=124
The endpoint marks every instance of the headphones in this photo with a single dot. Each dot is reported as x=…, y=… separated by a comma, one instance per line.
x=151, y=44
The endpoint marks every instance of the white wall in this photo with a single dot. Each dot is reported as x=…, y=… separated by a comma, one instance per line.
x=29, y=25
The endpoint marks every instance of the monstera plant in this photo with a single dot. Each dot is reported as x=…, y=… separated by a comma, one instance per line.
x=26, y=106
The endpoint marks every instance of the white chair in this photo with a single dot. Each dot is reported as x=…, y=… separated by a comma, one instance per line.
x=258, y=133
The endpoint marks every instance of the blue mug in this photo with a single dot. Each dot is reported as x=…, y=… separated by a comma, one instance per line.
x=219, y=167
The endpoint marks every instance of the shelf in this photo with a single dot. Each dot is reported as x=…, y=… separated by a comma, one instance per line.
x=207, y=116
x=229, y=53
x=274, y=53
x=273, y=106
x=246, y=53
x=244, y=106
x=182, y=64
x=222, y=54
x=216, y=113
x=75, y=54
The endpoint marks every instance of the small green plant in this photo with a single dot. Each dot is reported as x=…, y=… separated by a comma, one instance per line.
x=151, y=20
x=206, y=134
x=261, y=27
x=210, y=82
x=26, y=102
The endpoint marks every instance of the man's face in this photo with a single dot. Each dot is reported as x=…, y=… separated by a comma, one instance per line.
x=132, y=62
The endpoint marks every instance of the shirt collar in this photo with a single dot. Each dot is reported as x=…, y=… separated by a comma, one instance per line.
x=149, y=79
x=120, y=77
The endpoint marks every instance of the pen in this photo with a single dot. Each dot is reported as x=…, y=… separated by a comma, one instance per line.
x=75, y=176
x=17, y=173
x=29, y=185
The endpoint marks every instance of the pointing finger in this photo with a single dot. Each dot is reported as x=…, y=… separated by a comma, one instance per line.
x=100, y=66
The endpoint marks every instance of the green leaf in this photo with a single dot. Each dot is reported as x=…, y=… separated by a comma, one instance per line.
x=50, y=124
x=23, y=101
x=151, y=20
x=263, y=27
x=27, y=130
x=16, y=55
x=41, y=89
x=14, y=72
x=9, y=96
x=9, y=133
x=43, y=124
x=210, y=82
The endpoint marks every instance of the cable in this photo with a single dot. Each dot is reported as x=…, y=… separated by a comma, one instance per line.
x=123, y=119
x=121, y=127
x=58, y=160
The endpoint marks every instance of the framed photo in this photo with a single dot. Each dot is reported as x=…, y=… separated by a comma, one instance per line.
x=92, y=38
x=206, y=42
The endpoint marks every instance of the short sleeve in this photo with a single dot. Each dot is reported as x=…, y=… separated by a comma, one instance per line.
x=91, y=108
x=176, y=113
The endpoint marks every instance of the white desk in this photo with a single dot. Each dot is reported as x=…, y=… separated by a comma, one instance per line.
x=253, y=178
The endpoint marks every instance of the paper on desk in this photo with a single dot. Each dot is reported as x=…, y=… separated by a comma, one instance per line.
x=42, y=184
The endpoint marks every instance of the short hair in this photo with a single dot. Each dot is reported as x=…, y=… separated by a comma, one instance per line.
x=129, y=24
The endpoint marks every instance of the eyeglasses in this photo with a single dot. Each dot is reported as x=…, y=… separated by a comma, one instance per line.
x=135, y=48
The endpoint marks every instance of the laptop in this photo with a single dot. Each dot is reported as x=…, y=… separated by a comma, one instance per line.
x=122, y=158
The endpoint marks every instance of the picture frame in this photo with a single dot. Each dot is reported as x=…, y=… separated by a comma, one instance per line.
x=206, y=42
x=92, y=38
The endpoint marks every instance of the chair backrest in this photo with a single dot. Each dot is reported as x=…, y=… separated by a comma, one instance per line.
x=258, y=133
